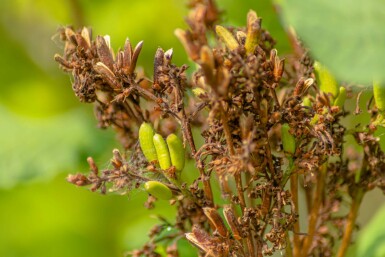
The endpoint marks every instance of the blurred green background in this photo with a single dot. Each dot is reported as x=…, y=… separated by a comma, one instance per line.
x=45, y=133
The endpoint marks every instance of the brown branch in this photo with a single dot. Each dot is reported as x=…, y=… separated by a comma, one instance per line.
x=351, y=222
x=314, y=214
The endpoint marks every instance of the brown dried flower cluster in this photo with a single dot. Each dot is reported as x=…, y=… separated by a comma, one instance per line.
x=245, y=96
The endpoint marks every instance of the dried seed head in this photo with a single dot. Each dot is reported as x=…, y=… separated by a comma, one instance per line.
x=104, y=52
x=208, y=65
x=241, y=37
x=107, y=75
x=278, y=68
x=232, y=221
x=168, y=56
x=135, y=56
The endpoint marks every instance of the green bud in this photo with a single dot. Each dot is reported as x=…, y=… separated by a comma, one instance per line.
x=146, y=134
x=326, y=82
x=177, y=153
x=162, y=152
x=288, y=140
x=379, y=95
x=158, y=189
x=340, y=100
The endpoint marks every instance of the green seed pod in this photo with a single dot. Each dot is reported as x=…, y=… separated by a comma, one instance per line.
x=326, y=82
x=158, y=189
x=379, y=95
x=162, y=152
x=340, y=100
x=146, y=134
x=227, y=37
x=177, y=153
x=288, y=140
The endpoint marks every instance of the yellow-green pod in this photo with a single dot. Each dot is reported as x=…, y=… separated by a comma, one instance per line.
x=146, y=134
x=288, y=140
x=176, y=150
x=227, y=37
x=162, y=152
x=340, y=100
x=379, y=95
x=158, y=189
x=326, y=82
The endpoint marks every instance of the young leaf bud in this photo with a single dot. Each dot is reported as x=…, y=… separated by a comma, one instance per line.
x=158, y=189
x=288, y=140
x=340, y=100
x=162, y=152
x=146, y=134
x=177, y=153
x=326, y=82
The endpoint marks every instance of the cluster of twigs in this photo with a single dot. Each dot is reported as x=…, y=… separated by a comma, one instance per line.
x=244, y=93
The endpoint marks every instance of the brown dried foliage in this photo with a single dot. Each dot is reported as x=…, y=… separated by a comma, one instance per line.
x=247, y=92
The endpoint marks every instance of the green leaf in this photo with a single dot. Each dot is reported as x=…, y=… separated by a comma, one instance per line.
x=372, y=240
x=34, y=149
x=347, y=37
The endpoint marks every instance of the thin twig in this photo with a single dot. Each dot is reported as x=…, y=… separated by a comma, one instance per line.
x=294, y=196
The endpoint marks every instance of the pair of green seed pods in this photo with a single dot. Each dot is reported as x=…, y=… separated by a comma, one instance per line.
x=155, y=148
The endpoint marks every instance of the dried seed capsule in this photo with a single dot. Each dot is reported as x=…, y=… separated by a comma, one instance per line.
x=146, y=134
x=232, y=221
x=216, y=220
x=340, y=100
x=158, y=189
x=162, y=152
x=379, y=95
x=326, y=82
x=176, y=150
x=288, y=140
